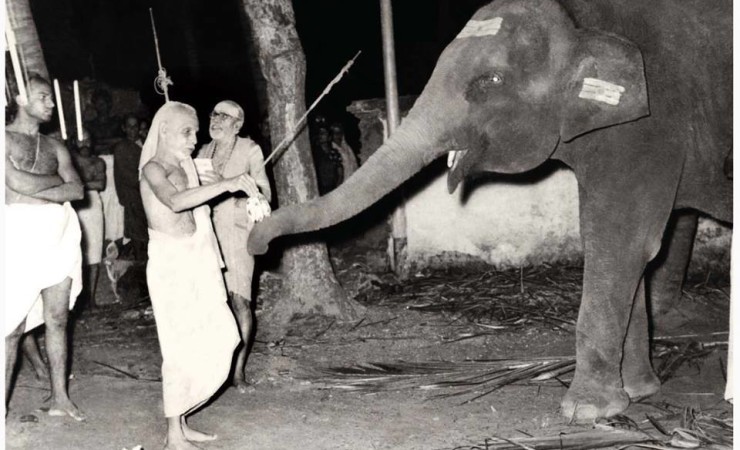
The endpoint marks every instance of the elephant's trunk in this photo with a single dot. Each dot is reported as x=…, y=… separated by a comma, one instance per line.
x=409, y=149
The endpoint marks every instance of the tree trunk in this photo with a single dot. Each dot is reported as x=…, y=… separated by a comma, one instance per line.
x=29, y=47
x=310, y=286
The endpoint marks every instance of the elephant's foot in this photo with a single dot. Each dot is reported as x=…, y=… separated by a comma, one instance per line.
x=586, y=402
x=673, y=321
x=642, y=385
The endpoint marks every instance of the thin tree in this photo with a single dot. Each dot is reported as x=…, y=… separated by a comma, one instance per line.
x=310, y=286
x=27, y=38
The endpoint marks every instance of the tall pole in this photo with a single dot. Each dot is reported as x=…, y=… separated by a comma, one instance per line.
x=397, y=241
x=162, y=81
x=389, y=66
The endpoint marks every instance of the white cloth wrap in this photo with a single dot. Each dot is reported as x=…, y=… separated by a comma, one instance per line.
x=112, y=208
x=196, y=329
x=42, y=249
x=92, y=223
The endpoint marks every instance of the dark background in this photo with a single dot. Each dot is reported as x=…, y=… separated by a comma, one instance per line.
x=205, y=47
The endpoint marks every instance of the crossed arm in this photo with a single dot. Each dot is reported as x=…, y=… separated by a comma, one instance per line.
x=61, y=187
x=71, y=188
x=27, y=183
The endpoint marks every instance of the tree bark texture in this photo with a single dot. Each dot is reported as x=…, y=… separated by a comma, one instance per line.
x=29, y=47
x=310, y=286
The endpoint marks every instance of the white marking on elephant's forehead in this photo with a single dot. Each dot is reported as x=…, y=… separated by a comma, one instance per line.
x=601, y=91
x=478, y=28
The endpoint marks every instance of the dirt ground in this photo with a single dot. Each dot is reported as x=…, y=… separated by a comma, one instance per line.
x=115, y=370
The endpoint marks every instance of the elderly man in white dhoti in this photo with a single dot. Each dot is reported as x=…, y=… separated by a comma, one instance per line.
x=43, y=261
x=231, y=155
x=196, y=329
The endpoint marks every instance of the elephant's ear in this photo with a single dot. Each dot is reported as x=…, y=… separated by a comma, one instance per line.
x=607, y=85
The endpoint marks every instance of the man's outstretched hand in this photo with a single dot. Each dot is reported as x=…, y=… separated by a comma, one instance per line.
x=244, y=183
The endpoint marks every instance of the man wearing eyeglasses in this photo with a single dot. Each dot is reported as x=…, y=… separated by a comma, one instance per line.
x=234, y=216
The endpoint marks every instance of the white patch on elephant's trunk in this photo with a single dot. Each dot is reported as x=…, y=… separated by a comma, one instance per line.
x=601, y=91
x=478, y=28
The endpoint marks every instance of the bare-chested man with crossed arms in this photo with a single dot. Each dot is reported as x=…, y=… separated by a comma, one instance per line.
x=42, y=243
x=196, y=329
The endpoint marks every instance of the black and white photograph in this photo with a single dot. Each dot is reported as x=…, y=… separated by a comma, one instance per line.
x=368, y=224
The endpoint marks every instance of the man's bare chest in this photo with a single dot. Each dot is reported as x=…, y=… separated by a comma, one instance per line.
x=32, y=154
x=178, y=179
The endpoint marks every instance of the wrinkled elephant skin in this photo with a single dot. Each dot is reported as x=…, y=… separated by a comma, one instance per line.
x=633, y=95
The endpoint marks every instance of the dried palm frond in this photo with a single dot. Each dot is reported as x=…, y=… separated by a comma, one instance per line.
x=698, y=429
x=462, y=377
x=476, y=377
x=675, y=355
x=566, y=441
x=126, y=373
x=505, y=298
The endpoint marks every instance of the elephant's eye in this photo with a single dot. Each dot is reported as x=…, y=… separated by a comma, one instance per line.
x=495, y=79
x=490, y=80
x=480, y=88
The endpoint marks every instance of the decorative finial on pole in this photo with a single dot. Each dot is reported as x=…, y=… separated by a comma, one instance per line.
x=291, y=134
x=162, y=81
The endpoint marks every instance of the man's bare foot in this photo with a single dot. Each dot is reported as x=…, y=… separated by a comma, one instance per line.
x=242, y=386
x=179, y=444
x=195, y=435
x=65, y=408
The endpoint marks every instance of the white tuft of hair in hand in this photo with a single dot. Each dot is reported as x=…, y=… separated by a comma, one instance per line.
x=258, y=208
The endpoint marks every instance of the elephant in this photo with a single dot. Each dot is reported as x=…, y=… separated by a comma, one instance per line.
x=633, y=96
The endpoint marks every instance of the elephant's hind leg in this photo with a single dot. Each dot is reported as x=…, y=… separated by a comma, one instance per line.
x=667, y=272
x=638, y=376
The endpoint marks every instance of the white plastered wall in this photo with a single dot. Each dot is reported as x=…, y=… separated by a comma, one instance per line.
x=512, y=223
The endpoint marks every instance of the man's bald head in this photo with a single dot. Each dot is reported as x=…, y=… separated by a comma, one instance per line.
x=227, y=119
x=178, y=129
x=173, y=130
x=177, y=110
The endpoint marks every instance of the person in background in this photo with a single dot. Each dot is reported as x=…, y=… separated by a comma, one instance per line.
x=90, y=211
x=231, y=155
x=329, y=170
x=143, y=131
x=104, y=128
x=126, y=155
x=339, y=143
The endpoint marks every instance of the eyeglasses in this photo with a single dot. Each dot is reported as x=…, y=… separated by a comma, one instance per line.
x=215, y=115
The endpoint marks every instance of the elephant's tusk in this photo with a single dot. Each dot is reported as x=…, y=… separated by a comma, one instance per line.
x=453, y=156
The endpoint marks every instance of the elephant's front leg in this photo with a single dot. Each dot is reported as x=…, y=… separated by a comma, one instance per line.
x=619, y=238
x=638, y=376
